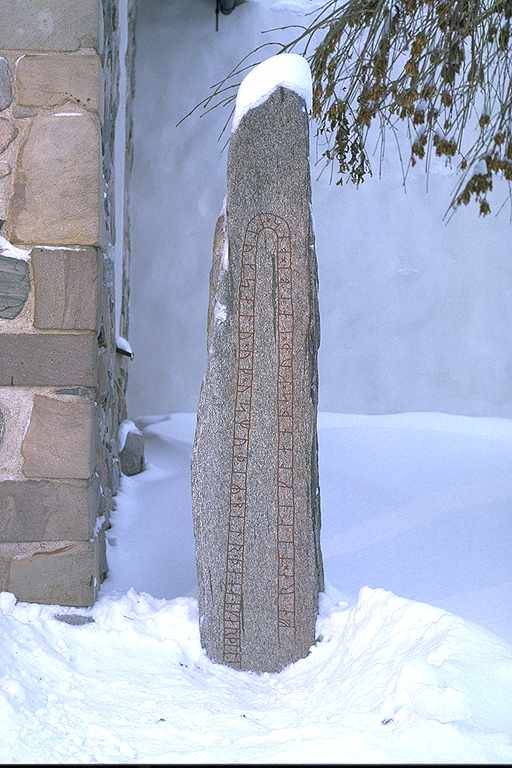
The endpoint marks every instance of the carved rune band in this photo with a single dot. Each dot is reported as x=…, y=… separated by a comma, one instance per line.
x=279, y=235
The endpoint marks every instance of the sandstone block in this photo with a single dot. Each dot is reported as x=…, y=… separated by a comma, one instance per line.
x=66, y=289
x=50, y=80
x=41, y=510
x=55, y=572
x=42, y=360
x=56, y=197
x=61, y=439
x=56, y=25
x=5, y=84
x=14, y=286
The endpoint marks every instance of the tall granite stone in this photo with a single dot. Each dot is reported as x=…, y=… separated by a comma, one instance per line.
x=256, y=503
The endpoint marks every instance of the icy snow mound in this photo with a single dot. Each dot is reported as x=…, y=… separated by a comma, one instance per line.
x=10, y=251
x=389, y=680
x=124, y=430
x=285, y=69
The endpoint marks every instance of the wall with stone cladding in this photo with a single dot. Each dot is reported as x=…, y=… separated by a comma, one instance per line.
x=130, y=9
x=59, y=408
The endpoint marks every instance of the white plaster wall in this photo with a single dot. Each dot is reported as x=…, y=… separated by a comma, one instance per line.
x=416, y=315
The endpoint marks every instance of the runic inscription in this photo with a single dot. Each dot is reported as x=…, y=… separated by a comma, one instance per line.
x=255, y=492
x=233, y=597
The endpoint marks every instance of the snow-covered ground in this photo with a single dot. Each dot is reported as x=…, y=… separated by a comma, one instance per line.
x=417, y=504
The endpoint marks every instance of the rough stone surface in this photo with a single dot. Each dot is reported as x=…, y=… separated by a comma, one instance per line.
x=55, y=196
x=55, y=572
x=22, y=113
x=57, y=192
x=102, y=552
x=74, y=619
x=42, y=360
x=61, y=439
x=5, y=84
x=106, y=334
x=122, y=365
x=56, y=25
x=16, y=407
x=49, y=80
x=66, y=289
x=132, y=455
x=7, y=133
x=111, y=66
x=14, y=286
x=105, y=375
x=254, y=473
x=41, y=510
x=76, y=391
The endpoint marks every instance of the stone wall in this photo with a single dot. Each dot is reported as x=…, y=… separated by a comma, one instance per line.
x=59, y=406
x=123, y=164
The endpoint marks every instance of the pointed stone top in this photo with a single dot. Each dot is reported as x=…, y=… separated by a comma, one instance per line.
x=286, y=69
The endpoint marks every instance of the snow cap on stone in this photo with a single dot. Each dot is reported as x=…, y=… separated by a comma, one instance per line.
x=289, y=70
x=125, y=428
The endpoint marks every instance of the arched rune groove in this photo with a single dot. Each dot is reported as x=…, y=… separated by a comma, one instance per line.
x=233, y=598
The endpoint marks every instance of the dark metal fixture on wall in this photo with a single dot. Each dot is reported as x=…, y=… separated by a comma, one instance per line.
x=225, y=7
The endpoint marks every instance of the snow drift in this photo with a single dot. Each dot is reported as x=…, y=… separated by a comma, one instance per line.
x=390, y=680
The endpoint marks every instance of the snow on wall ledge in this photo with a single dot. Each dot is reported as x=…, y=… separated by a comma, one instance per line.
x=10, y=251
x=286, y=69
